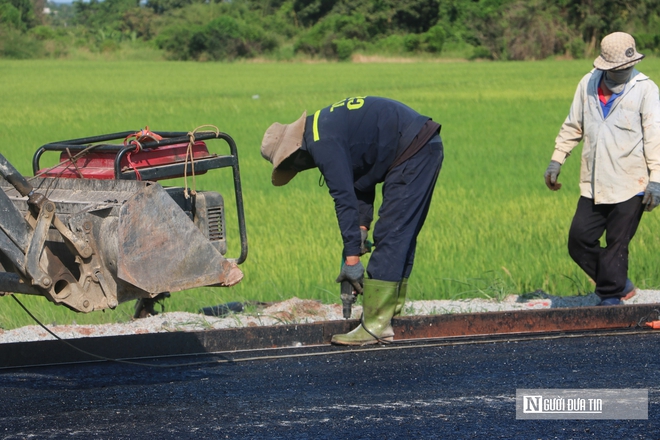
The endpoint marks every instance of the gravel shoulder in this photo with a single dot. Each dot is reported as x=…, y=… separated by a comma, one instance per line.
x=299, y=311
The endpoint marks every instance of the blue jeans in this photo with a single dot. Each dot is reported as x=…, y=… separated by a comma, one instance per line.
x=407, y=192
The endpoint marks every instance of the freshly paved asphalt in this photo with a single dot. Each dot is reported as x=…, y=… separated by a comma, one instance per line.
x=464, y=391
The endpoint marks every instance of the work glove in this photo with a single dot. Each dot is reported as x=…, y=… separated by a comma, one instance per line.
x=353, y=274
x=551, y=175
x=651, y=196
x=365, y=245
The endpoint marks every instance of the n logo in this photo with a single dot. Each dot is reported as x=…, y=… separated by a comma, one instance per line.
x=532, y=404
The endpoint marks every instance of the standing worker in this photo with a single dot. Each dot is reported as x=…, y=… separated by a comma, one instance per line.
x=616, y=112
x=358, y=143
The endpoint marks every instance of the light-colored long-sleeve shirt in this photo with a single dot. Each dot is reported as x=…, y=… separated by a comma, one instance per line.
x=621, y=152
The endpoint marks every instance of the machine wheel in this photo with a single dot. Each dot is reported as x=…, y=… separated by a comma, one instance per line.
x=144, y=307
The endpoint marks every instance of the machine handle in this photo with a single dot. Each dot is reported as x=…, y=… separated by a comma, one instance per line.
x=12, y=176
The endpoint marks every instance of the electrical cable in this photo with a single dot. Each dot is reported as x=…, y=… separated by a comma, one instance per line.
x=377, y=338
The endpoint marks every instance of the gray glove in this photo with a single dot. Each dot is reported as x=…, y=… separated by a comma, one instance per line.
x=364, y=246
x=651, y=196
x=551, y=175
x=353, y=274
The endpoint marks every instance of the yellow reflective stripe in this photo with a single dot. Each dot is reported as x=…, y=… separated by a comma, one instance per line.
x=316, y=125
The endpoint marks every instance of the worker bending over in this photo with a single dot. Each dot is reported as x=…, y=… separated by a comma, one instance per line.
x=358, y=143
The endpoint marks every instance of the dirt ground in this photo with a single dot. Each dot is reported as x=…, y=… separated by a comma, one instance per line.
x=298, y=311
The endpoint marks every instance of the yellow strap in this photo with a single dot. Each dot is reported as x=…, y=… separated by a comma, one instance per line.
x=316, y=125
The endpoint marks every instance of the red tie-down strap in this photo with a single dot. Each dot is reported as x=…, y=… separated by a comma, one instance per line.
x=137, y=139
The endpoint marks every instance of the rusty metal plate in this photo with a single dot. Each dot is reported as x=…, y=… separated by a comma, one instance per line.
x=523, y=321
x=161, y=249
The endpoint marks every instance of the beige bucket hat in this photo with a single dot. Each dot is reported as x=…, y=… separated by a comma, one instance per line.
x=281, y=141
x=617, y=51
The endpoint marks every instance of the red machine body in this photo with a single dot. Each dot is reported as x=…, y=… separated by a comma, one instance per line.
x=101, y=165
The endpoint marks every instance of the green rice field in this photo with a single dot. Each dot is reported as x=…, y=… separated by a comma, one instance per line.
x=493, y=228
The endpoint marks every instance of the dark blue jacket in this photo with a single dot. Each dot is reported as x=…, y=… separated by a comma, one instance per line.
x=354, y=142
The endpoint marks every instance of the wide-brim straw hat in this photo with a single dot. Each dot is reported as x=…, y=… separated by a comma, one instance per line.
x=617, y=51
x=281, y=141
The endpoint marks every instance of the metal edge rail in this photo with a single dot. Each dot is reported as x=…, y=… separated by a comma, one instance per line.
x=410, y=328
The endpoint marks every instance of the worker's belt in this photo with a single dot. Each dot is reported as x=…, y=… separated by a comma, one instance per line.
x=415, y=136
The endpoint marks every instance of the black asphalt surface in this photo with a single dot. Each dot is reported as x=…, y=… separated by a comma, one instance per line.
x=447, y=392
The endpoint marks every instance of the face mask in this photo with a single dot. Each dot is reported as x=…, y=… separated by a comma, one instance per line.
x=616, y=80
x=299, y=161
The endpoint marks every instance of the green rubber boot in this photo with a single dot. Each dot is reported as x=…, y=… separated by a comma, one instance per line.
x=378, y=303
x=401, y=299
